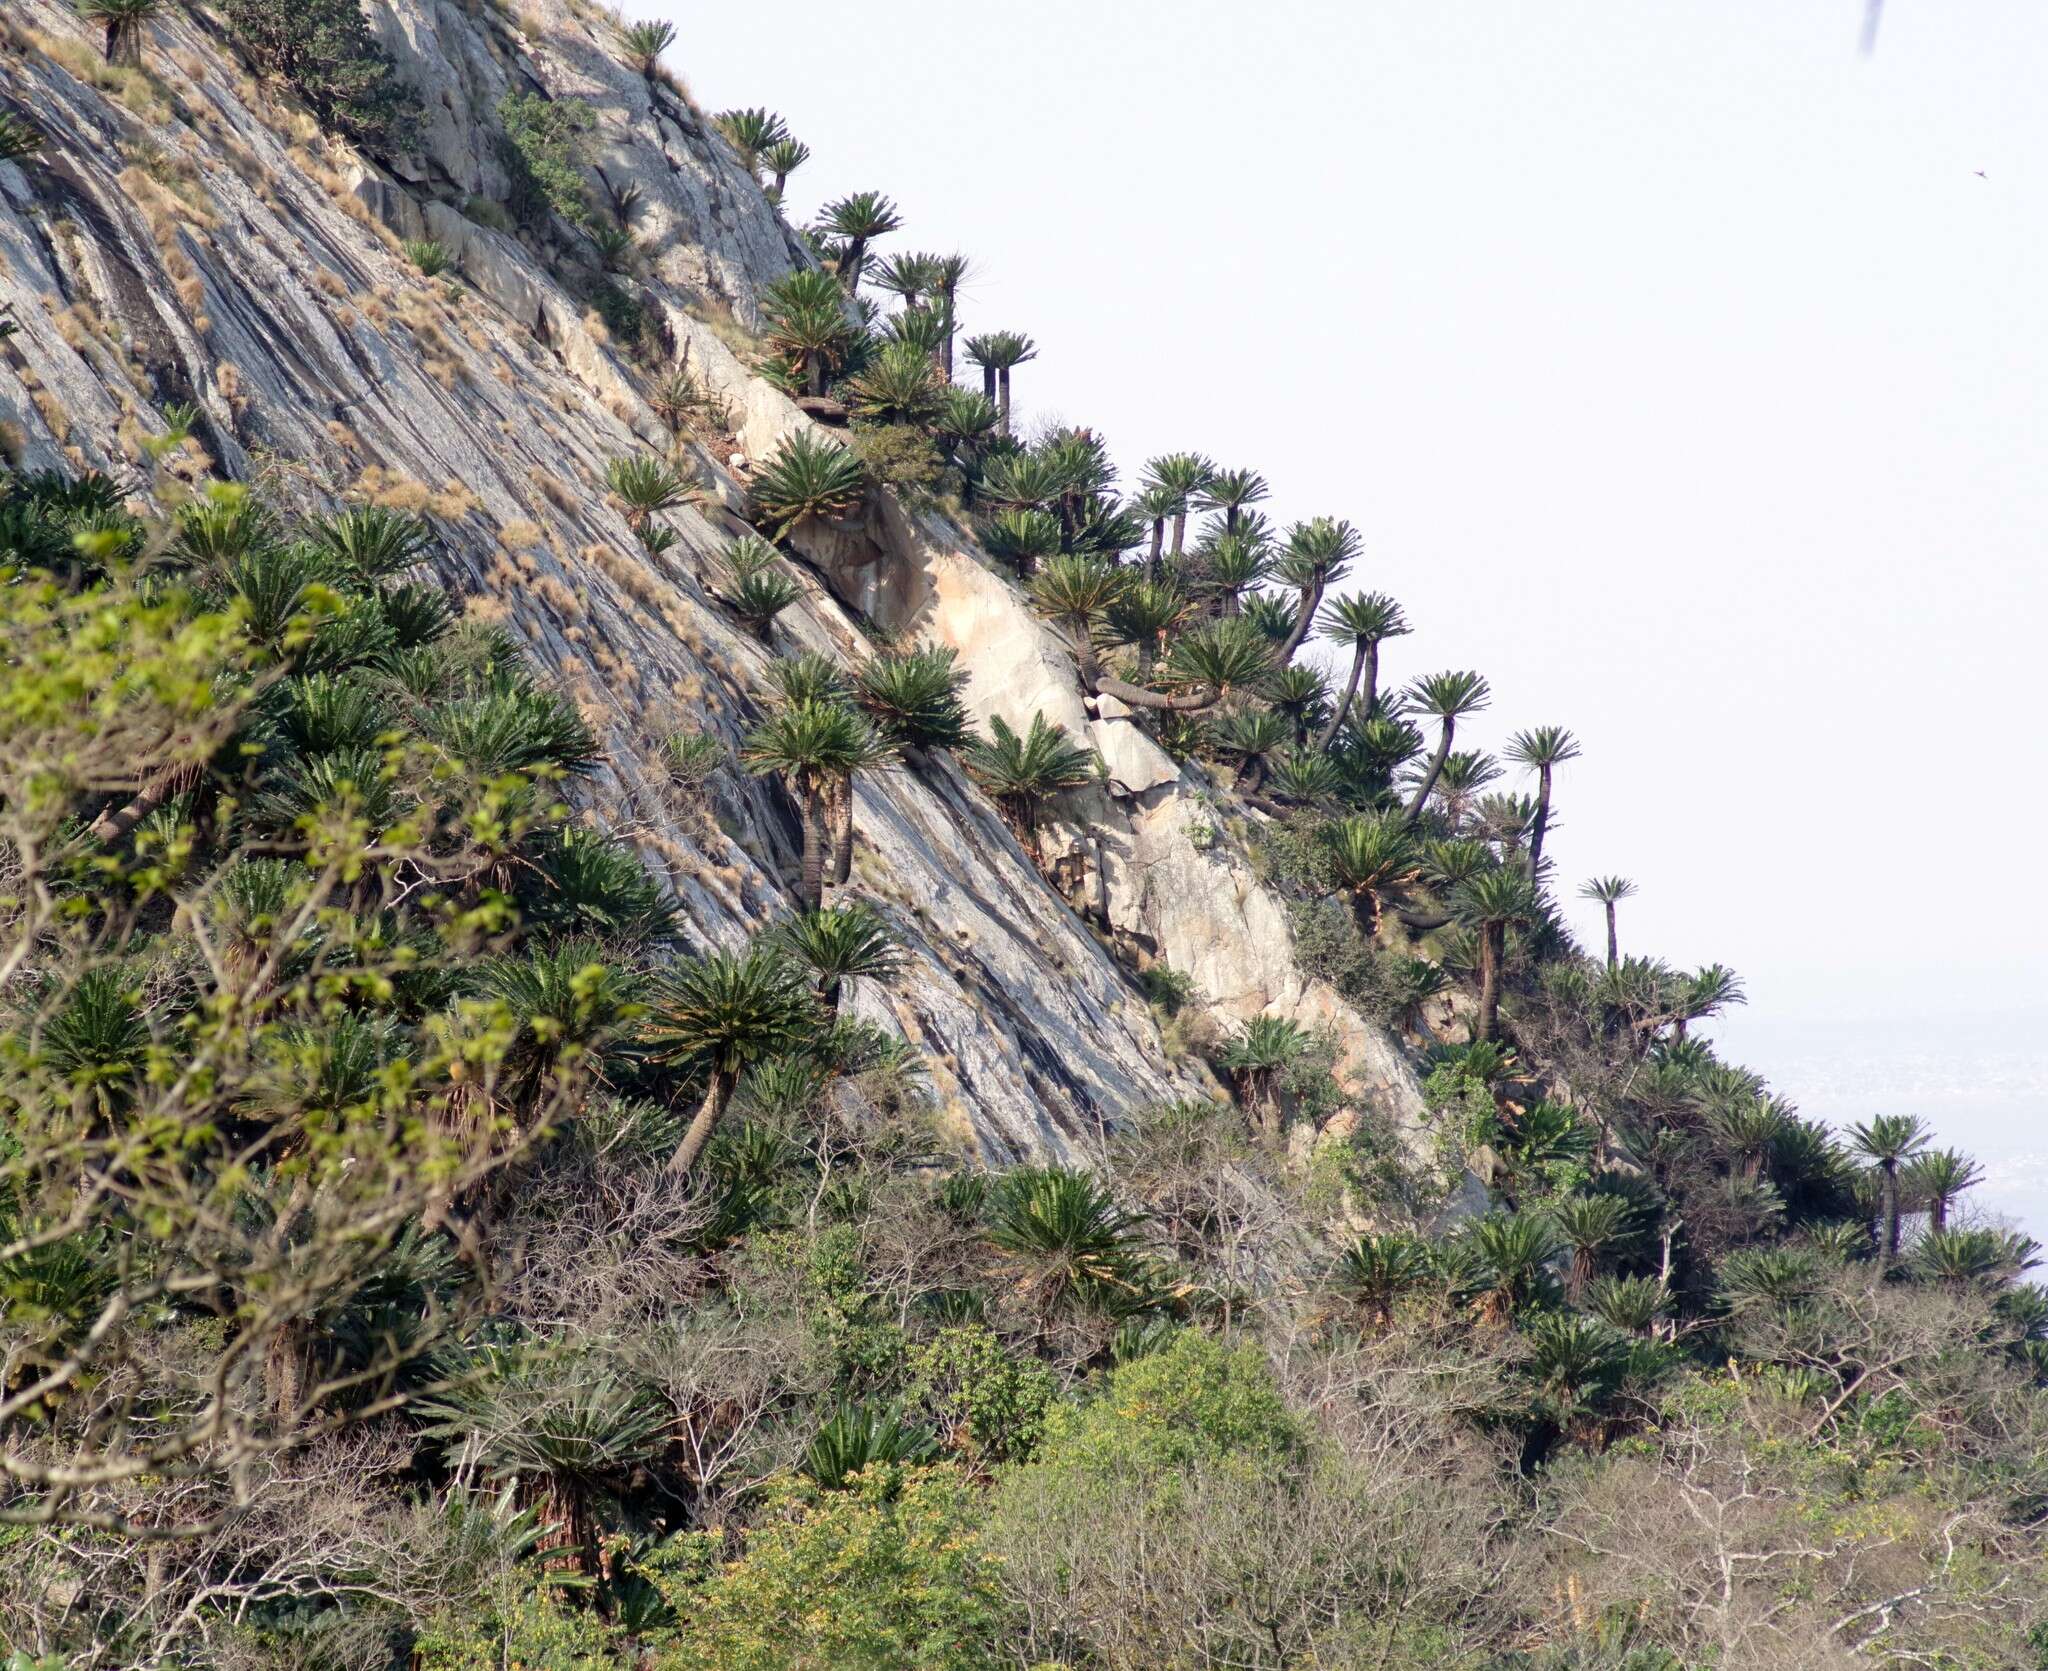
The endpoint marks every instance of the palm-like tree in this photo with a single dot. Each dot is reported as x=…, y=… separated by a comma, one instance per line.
x=1492, y=902
x=817, y=747
x=1235, y=563
x=1023, y=538
x=1364, y=622
x=1251, y=734
x=914, y=697
x=1448, y=697
x=757, y=589
x=898, y=385
x=782, y=159
x=809, y=479
x=1142, y=614
x=1318, y=554
x=1610, y=891
x=998, y=353
x=1541, y=749
x=1024, y=772
x=858, y=219
x=860, y=1436
x=1301, y=693
x=122, y=21
x=1067, y=1236
x=1961, y=1256
x=19, y=138
x=1256, y=1059
x=647, y=486
x=843, y=944
x=1231, y=491
x=1175, y=479
x=644, y=43
x=1371, y=854
x=1589, y=1225
x=718, y=1014
x=1629, y=1303
x=1750, y=1126
x=750, y=132
x=1512, y=1249
x=1375, y=1271
x=805, y=318
x=948, y=273
x=1938, y=1177
x=1888, y=1142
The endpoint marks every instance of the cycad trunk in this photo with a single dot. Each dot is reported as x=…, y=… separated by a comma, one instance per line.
x=1004, y=379
x=1891, y=1210
x=1311, y=601
x=1436, y=766
x=1492, y=947
x=817, y=839
x=1366, y=651
x=1937, y=1213
x=1180, y=531
x=1541, y=825
x=1158, y=544
x=988, y=384
x=1613, y=944
x=709, y=1113
x=842, y=830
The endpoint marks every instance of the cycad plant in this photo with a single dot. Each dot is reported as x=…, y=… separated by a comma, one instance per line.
x=998, y=353
x=646, y=486
x=840, y=945
x=914, y=697
x=1976, y=1255
x=782, y=159
x=1541, y=750
x=1257, y=1059
x=1888, y=1142
x=804, y=316
x=1493, y=903
x=856, y=221
x=1371, y=854
x=1937, y=1178
x=1298, y=775
x=757, y=589
x=898, y=385
x=1590, y=1225
x=719, y=1014
x=1172, y=483
x=1374, y=1272
x=817, y=746
x=1023, y=772
x=1142, y=615
x=1364, y=622
x=1610, y=891
x=1514, y=1250
x=122, y=21
x=644, y=43
x=1232, y=492
x=1251, y=734
x=1632, y=1304
x=1447, y=697
x=1233, y=564
x=1068, y=1238
x=808, y=480
x=856, y=1437
x=1318, y=554
x=750, y=133
x=1749, y=1127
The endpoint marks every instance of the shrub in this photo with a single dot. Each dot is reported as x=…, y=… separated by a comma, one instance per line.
x=326, y=52
x=543, y=153
x=431, y=257
x=903, y=458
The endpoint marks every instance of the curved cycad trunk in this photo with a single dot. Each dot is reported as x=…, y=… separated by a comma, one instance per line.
x=1367, y=655
x=1311, y=601
x=716, y=1095
x=1436, y=766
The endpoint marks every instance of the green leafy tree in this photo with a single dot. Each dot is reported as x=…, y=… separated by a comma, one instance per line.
x=804, y=316
x=809, y=479
x=1590, y=1225
x=1068, y=1239
x=1371, y=854
x=20, y=139
x=915, y=697
x=757, y=588
x=644, y=43
x=325, y=50
x=1364, y=622
x=1938, y=1177
x=840, y=945
x=782, y=159
x=1257, y=1059
x=857, y=220
x=122, y=21
x=1494, y=902
x=817, y=746
x=750, y=133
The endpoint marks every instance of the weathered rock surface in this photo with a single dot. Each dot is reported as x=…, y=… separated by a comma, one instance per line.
x=211, y=247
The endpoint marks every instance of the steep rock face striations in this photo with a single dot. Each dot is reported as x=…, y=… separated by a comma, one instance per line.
x=190, y=238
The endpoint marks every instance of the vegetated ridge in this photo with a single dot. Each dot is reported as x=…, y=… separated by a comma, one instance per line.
x=675, y=998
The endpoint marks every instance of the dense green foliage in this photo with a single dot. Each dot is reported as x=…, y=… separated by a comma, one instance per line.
x=324, y=49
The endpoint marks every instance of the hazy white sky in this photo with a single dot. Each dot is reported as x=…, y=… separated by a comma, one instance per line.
x=1682, y=372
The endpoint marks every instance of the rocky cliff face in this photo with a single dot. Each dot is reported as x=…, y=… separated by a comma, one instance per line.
x=189, y=237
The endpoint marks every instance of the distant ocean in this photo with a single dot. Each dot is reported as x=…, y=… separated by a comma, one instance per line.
x=1980, y=1081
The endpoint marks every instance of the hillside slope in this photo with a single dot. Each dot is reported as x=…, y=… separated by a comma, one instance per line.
x=241, y=261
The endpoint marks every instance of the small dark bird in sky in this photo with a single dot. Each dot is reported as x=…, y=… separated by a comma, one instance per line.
x=1982, y=175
